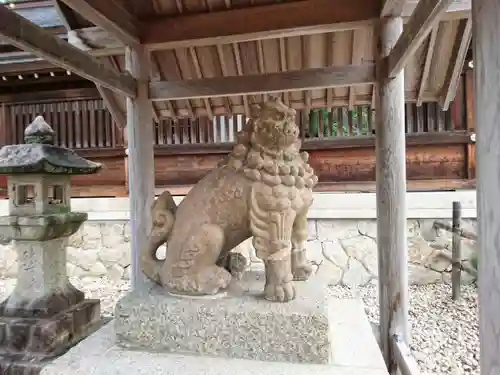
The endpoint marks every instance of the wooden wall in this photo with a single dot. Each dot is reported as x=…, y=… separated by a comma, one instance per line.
x=440, y=154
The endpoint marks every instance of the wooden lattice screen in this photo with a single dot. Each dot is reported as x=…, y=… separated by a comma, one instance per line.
x=86, y=124
x=79, y=124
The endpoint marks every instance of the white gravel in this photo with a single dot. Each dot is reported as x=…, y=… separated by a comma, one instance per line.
x=445, y=333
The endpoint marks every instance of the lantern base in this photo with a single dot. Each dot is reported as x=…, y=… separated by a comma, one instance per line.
x=25, y=343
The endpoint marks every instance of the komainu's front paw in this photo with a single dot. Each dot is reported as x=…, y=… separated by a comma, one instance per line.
x=283, y=292
x=302, y=272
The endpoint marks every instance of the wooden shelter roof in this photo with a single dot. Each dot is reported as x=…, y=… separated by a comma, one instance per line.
x=195, y=43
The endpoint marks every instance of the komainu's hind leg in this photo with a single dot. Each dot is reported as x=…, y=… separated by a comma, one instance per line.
x=301, y=268
x=194, y=270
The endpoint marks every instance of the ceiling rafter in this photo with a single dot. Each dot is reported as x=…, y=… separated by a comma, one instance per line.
x=464, y=36
x=427, y=13
x=108, y=97
x=392, y=8
x=110, y=16
x=427, y=65
x=258, y=22
x=34, y=39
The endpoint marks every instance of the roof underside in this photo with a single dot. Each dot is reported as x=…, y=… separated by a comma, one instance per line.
x=427, y=75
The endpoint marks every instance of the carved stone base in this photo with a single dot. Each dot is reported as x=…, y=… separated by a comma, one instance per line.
x=355, y=352
x=240, y=324
x=25, y=343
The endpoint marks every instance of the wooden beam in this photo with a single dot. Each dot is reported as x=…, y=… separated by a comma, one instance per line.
x=427, y=65
x=457, y=9
x=486, y=52
x=426, y=14
x=308, y=79
x=359, y=39
x=108, y=97
x=392, y=8
x=391, y=198
x=464, y=36
x=405, y=360
x=140, y=158
x=258, y=22
x=110, y=16
x=66, y=15
x=113, y=107
x=30, y=37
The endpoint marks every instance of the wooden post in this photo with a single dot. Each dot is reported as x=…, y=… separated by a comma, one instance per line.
x=486, y=51
x=456, y=252
x=391, y=198
x=140, y=158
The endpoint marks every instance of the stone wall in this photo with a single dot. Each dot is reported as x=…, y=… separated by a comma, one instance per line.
x=347, y=246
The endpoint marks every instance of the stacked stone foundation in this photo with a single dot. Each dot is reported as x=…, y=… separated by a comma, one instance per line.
x=102, y=248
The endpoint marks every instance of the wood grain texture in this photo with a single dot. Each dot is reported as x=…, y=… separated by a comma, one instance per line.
x=347, y=165
x=392, y=8
x=391, y=198
x=425, y=16
x=456, y=249
x=140, y=158
x=460, y=48
x=486, y=51
x=406, y=362
x=427, y=64
x=252, y=84
x=242, y=24
x=32, y=38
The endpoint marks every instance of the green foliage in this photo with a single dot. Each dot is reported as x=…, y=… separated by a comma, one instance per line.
x=339, y=124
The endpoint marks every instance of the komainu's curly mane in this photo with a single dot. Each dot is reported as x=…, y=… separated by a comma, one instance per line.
x=267, y=148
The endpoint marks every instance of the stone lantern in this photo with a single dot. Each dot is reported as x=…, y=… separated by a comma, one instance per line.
x=45, y=314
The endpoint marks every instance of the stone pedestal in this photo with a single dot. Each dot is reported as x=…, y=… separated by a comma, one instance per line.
x=237, y=324
x=354, y=352
x=45, y=314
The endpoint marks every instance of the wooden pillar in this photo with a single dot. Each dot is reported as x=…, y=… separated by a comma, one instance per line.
x=391, y=197
x=140, y=158
x=486, y=52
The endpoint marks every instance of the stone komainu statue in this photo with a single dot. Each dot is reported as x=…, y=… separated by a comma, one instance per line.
x=263, y=189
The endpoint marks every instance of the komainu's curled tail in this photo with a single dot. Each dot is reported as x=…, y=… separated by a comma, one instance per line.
x=163, y=215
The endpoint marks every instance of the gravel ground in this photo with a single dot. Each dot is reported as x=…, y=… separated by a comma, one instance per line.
x=445, y=333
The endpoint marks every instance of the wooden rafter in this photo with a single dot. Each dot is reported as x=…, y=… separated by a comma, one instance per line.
x=427, y=65
x=392, y=8
x=358, y=46
x=329, y=59
x=224, y=71
x=464, y=36
x=66, y=15
x=258, y=22
x=111, y=104
x=109, y=16
x=108, y=97
x=283, y=64
x=32, y=38
x=308, y=79
x=156, y=72
x=457, y=9
x=425, y=16
x=306, y=55
x=197, y=69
